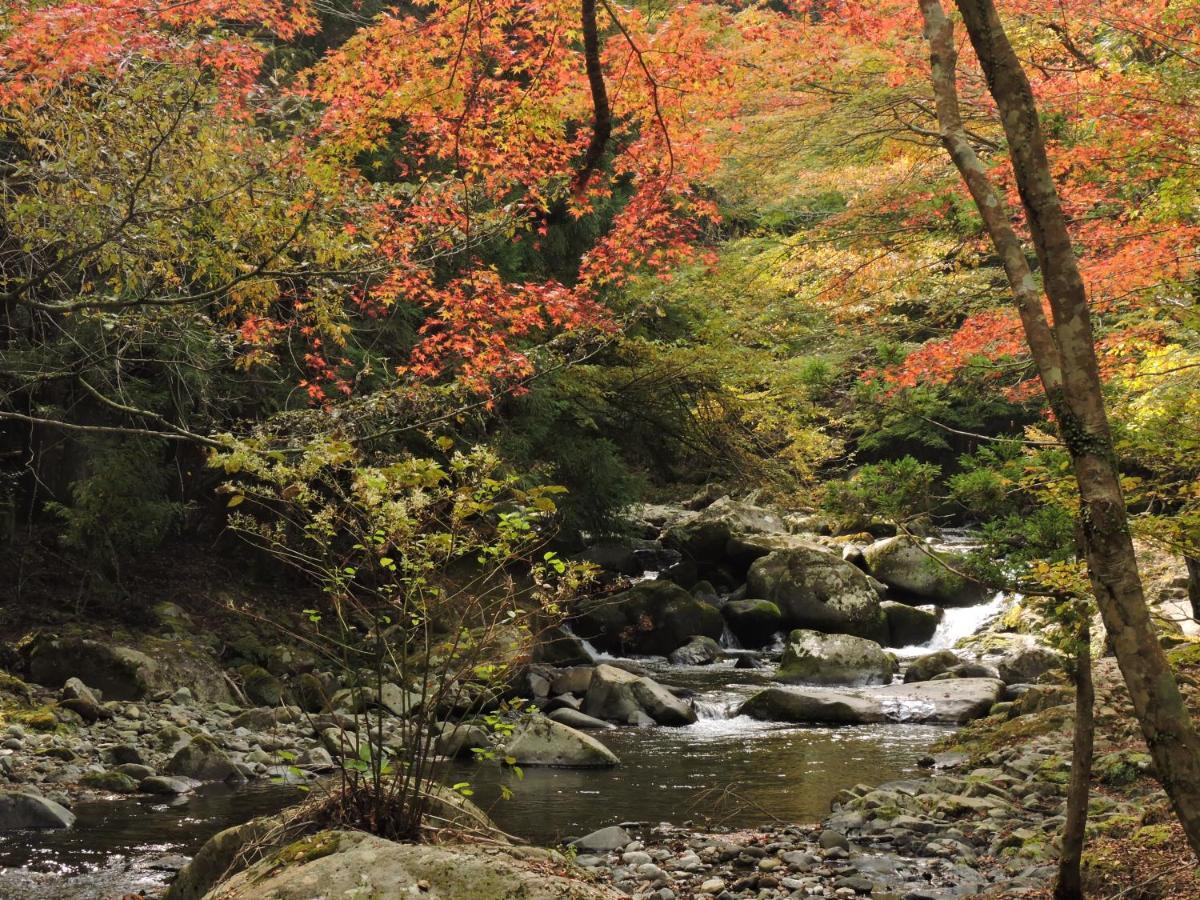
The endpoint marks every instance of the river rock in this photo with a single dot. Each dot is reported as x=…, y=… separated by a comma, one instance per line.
x=605, y=840
x=265, y=718
x=202, y=759
x=744, y=548
x=811, y=657
x=950, y=702
x=460, y=738
x=576, y=719
x=559, y=647
x=1023, y=660
x=704, y=538
x=345, y=863
x=815, y=589
x=620, y=696
x=753, y=622
x=261, y=687
x=910, y=625
x=924, y=668
x=79, y=698
x=653, y=617
x=574, y=680
x=219, y=855
x=121, y=673
x=398, y=701
x=21, y=810
x=545, y=742
x=912, y=567
x=699, y=651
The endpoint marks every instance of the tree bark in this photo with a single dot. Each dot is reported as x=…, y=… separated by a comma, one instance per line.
x=1193, y=571
x=1070, y=884
x=601, y=109
x=1063, y=348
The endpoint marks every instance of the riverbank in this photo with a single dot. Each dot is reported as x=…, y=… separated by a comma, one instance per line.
x=984, y=820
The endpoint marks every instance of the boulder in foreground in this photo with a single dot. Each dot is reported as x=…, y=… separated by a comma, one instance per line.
x=545, y=742
x=951, y=702
x=354, y=864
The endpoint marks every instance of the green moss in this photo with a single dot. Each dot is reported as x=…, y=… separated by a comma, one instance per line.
x=1122, y=768
x=1116, y=825
x=1186, y=657
x=118, y=782
x=40, y=719
x=1153, y=835
x=14, y=686
x=305, y=850
x=990, y=734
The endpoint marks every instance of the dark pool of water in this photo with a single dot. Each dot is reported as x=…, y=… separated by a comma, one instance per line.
x=125, y=846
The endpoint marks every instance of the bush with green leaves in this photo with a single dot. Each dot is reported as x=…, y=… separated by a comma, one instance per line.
x=436, y=580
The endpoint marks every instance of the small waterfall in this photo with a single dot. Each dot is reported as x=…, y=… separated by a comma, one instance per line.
x=729, y=640
x=958, y=622
x=721, y=706
x=593, y=655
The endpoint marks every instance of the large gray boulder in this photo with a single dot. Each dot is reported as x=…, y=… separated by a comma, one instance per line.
x=815, y=589
x=912, y=567
x=944, y=702
x=910, y=625
x=699, y=651
x=654, y=617
x=545, y=742
x=119, y=673
x=810, y=657
x=20, y=810
x=754, y=622
x=616, y=695
x=705, y=537
x=355, y=864
x=1018, y=658
x=927, y=667
x=203, y=760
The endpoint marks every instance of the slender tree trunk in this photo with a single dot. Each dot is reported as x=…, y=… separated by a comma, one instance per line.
x=1063, y=348
x=1193, y=571
x=601, y=110
x=1069, y=885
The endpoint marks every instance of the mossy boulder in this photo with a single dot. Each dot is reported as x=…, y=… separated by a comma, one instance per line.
x=120, y=673
x=753, y=622
x=705, y=537
x=816, y=589
x=654, y=617
x=925, y=668
x=344, y=864
x=261, y=687
x=116, y=782
x=699, y=651
x=810, y=657
x=911, y=567
x=203, y=760
x=1122, y=767
x=910, y=625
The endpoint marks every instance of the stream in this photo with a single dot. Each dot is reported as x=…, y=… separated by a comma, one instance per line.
x=723, y=770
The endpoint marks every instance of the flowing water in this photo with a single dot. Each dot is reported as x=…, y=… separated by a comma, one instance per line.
x=723, y=770
x=738, y=772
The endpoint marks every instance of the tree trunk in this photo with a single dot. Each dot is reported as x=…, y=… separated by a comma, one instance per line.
x=1069, y=885
x=1193, y=570
x=1064, y=351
